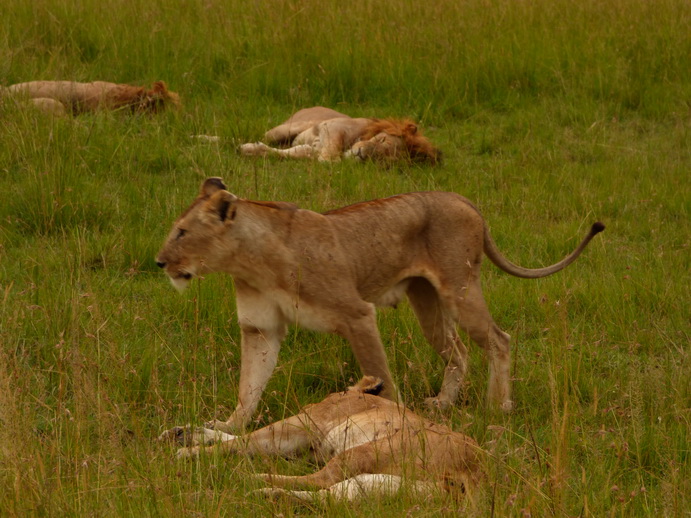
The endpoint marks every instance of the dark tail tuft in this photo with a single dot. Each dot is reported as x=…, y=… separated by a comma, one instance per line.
x=375, y=387
x=597, y=228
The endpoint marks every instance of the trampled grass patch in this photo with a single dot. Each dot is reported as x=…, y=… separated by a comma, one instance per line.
x=551, y=115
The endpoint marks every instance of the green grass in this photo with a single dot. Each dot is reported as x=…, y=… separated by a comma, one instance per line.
x=551, y=115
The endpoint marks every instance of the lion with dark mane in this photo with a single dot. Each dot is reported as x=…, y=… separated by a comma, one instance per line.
x=328, y=135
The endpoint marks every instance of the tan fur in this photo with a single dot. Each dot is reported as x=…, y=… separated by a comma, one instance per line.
x=49, y=106
x=355, y=433
x=328, y=272
x=99, y=95
x=328, y=135
x=43, y=104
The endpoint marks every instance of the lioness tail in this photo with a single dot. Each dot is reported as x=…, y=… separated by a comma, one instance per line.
x=498, y=259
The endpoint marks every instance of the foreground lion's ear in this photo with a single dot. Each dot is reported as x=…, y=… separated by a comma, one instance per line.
x=410, y=128
x=211, y=186
x=221, y=205
x=370, y=385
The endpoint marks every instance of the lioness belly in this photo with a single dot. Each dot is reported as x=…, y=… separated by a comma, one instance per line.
x=359, y=429
x=392, y=296
x=278, y=308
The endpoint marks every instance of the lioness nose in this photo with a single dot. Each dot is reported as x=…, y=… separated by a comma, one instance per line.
x=160, y=264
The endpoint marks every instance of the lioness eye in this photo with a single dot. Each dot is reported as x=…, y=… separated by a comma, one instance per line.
x=181, y=232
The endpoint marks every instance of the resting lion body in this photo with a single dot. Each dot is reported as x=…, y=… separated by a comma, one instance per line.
x=328, y=135
x=361, y=437
x=98, y=95
x=328, y=272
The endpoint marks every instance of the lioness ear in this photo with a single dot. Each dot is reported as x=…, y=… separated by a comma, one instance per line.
x=221, y=204
x=210, y=186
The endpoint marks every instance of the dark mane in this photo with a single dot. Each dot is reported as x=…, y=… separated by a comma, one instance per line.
x=419, y=148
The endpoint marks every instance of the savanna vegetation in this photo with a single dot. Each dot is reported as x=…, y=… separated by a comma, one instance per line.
x=551, y=114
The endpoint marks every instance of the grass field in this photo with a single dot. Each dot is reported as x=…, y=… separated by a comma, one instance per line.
x=552, y=114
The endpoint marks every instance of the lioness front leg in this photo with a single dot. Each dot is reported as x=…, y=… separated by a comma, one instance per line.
x=285, y=438
x=258, y=360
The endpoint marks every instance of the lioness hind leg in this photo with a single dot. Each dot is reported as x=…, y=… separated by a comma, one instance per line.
x=360, y=329
x=475, y=319
x=439, y=330
x=366, y=458
x=360, y=487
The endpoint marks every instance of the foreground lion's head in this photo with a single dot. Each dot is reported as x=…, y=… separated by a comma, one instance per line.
x=389, y=140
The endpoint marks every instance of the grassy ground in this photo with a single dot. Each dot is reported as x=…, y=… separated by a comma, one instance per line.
x=551, y=115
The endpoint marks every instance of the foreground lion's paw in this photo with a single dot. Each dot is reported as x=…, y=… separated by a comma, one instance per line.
x=272, y=493
x=435, y=403
x=222, y=426
x=507, y=406
x=187, y=453
x=177, y=435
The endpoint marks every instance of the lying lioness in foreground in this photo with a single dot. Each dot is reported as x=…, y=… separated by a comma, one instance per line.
x=370, y=445
x=329, y=272
x=328, y=135
x=89, y=97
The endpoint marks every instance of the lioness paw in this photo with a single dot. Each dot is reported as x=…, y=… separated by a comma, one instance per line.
x=507, y=406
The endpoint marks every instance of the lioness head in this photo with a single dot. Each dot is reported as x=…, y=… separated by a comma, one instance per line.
x=390, y=140
x=198, y=237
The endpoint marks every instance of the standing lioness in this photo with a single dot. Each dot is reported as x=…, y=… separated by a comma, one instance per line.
x=328, y=272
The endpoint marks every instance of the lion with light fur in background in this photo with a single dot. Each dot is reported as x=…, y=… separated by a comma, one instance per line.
x=328, y=135
x=62, y=97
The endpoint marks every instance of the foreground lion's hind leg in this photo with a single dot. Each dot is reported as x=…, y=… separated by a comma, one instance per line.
x=360, y=487
x=476, y=320
x=276, y=493
x=366, y=458
x=439, y=330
